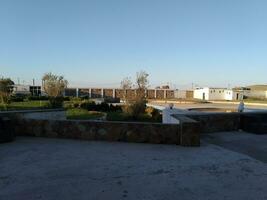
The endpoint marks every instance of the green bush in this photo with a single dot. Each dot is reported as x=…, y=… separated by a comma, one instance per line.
x=38, y=98
x=89, y=105
x=16, y=98
x=136, y=109
x=56, y=102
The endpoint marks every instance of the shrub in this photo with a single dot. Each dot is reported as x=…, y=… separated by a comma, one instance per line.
x=16, y=98
x=89, y=105
x=156, y=115
x=37, y=98
x=56, y=102
x=136, y=109
x=116, y=108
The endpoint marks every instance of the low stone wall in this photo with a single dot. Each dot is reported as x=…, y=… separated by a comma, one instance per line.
x=255, y=123
x=214, y=122
x=53, y=115
x=7, y=132
x=96, y=130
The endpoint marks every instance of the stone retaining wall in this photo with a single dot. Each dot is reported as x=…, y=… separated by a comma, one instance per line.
x=98, y=130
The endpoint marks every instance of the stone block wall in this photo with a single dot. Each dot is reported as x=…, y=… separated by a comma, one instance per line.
x=130, y=94
x=83, y=92
x=119, y=93
x=70, y=92
x=217, y=122
x=169, y=94
x=108, y=93
x=189, y=94
x=254, y=123
x=96, y=93
x=151, y=94
x=160, y=94
x=94, y=130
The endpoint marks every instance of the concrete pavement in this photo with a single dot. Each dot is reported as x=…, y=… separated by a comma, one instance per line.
x=42, y=168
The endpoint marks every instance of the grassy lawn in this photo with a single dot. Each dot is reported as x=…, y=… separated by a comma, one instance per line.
x=82, y=114
x=121, y=116
x=25, y=105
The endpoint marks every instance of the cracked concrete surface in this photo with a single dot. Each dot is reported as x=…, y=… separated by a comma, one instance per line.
x=42, y=168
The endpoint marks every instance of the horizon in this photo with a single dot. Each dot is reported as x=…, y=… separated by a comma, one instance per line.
x=92, y=43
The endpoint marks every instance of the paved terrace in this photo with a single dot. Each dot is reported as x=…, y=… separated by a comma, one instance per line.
x=42, y=168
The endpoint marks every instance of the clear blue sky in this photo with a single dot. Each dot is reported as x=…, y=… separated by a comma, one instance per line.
x=207, y=42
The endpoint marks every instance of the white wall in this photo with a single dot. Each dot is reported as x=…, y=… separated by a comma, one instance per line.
x=198, y=93
x=217, y=94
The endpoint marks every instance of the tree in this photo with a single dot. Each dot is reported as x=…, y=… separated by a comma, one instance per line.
x=126, y=84
x=137, y=106
x=142, y=80
x=54, y=86
x=5, y=89
x=142, y=84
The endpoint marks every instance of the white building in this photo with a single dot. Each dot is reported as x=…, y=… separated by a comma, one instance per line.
x=208, y=93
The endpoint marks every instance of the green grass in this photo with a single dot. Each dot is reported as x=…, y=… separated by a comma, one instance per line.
x=82, y=114
x=121, y=116
x=25, y=105
x=117, y=116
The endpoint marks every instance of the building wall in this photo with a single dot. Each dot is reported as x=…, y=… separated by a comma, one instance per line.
x=201, y=93
x=258, y=94
x=218, y=94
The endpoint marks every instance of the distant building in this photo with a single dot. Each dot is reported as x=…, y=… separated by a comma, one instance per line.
x=26, y=90
x=253, y=91
x=209, y=93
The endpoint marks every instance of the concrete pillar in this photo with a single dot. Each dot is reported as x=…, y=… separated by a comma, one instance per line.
x=77, y=92
x=90, y=92
x=114, y=94
x=155, y=93
x=102, y=92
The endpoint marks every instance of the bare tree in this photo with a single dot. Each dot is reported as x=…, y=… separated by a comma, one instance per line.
x=142, y=80
x=126, y=84
x=142, y=84
x=136, y=107
x=54, y=85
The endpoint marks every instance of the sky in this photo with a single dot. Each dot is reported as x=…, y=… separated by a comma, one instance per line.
x=99, y=42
